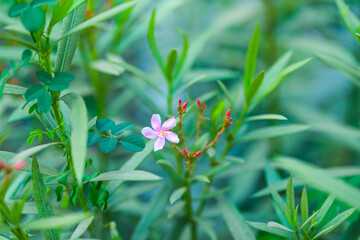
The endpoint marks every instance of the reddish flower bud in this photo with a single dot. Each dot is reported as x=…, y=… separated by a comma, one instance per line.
x=198, y=102
x=228, y=113
x=2, y=165
x=230, y=119
x=204, y=105
x=185, y=151
x=184, y=105
x=197, y=154
x=179, y=102
x=19, y=165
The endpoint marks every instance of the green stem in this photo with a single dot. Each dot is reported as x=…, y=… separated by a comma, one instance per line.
x=188, y=209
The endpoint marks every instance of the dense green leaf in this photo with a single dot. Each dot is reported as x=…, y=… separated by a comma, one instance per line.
x=42, y=200
x=107, y=144
x=17, y=9
x=25, y=58
x=93, y=138
x=33, y=19
x=234, y=220
x=43, y=76
x=104, y=124
x=34, y=92
x=38, y=3
x=79, y=132
x=44, y=102
x=135, y=175
x=132, y=143
x=118, y=129
x=57, y=85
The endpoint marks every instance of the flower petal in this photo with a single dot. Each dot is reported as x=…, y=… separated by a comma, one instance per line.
x=169, y=124
x=149, y=133
x=172, y=137
x=159, y=144
x=156, y=122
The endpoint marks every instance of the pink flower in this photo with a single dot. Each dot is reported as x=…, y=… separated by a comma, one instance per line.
x=161, y=131
x=19, y=165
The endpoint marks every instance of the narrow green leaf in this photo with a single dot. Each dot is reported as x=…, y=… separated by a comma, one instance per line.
x=79, y=132
x=31, y=151
x=251, y=56
x=201, y=178
x=274, y=131
x=10, y=89
x=235, y=222
x=154, y=211
x=279, y=226
x=41, y=197
x=152, y=42
x=325, y=208
x=56, y=222
x=170, y=64
x=264, y=227
x=309, y=219
x=321, y=180
x=227, y=95
x=278, y=199
x=265, y=117
x=290, y=199
x=206, y=227
x=304, y=205
x=67, y=47
x=171, y=171
x=177, y=194
x=135, y=175
x=348, y=70
x=213, y=194
x=254, y=87
x=184, y=53
x=335, y=222
x=98, y=18
x=81, y=228
x=133, y=163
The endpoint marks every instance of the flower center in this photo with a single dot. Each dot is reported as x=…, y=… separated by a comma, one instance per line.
x=161, y=133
